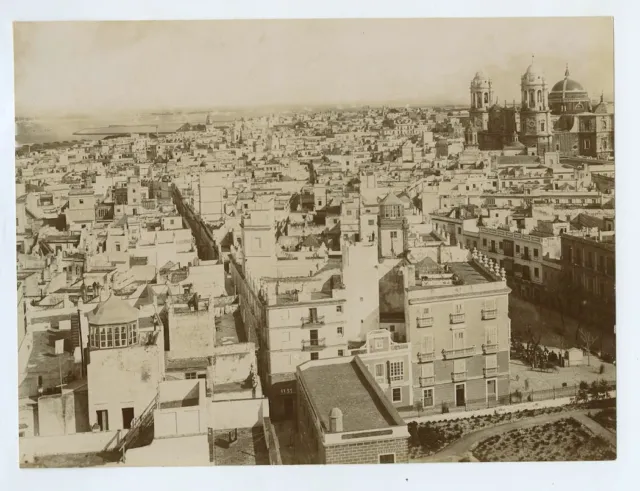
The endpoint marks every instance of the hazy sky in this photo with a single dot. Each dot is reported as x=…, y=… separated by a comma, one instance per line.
x=101, y=66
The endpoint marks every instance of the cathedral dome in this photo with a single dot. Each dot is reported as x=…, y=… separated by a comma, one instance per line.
x=567, y=85
x=569, y=96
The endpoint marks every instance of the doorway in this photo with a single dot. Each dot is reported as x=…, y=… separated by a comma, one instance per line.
x=288, y=407
x=127, y=417
x=103, y=419
x=460, y=395
x=313, y=337
x=313, y=315
x=492, y=390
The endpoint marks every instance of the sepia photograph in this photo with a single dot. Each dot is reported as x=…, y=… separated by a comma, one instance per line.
x=295, y=242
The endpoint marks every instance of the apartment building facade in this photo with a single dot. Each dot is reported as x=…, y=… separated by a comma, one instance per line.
x=458, y=325
x=589, y=276
x=390, y=365
x=522, y=255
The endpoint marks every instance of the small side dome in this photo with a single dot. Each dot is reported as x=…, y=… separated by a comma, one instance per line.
x=533, y=74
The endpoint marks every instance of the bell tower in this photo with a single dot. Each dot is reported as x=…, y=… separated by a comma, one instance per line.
x=481, y=98
x=535, y=115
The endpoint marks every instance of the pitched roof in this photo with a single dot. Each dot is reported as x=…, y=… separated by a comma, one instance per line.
x=113, y=311
x=391, y=199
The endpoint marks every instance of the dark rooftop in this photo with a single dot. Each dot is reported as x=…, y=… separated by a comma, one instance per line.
x=45, y=363
x=469, y=273
x=344, y=386
x=195, y=363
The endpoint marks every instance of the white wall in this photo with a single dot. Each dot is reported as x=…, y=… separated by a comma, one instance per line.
x=228, y=415
x=68, y=444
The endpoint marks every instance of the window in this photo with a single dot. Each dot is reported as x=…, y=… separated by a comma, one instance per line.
x=388, y=458
x=190, y=375
x=542, y=126
x=587, y=144
x=379, y=371
x=117, y=247
x=458, y=308
x=396, y=395
x=340, y=352
x=340, y=331
x=500, y=245
x=484, y=242
x=517, y=249
x=81, y=201
x=535, y=253
x=171, y=222
x=202, y=375
x=314, y=356
x=536, y=272
x=427, y=344
x=427, y=398
x=109, y=335
x=133, y=334
x=393, y=235
x=396, y=370
x=491, y=361
x=392, y=328
x=458, y=339
x=372, y=222
x=491, y=335
x=349, y=212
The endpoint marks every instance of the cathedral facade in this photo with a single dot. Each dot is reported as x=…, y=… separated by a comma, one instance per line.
x=560, y=119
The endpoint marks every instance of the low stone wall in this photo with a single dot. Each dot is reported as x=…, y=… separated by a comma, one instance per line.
x=273, y=444
x=512, y=408
x=31, y=447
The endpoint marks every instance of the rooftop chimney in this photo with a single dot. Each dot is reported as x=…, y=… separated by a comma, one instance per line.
x=335, y=421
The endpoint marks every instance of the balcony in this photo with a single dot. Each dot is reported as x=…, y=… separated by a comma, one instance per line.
x=488, y=349
x=450, y=354
x=490, y=372
x=399, y=346
x=456, y=318
x=426, y=357
x=425, y=321
x=526, y=257
x=488, y=314
x=313, y=345
x=459, y=376
x=427, y=381
x=312, y=321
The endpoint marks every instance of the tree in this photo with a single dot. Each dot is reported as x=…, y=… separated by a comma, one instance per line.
x=588, y=340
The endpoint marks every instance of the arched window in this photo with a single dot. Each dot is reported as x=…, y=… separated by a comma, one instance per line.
x=539, y=96
x=486, y=98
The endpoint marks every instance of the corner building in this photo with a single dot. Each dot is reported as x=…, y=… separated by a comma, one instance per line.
x=458, y=325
